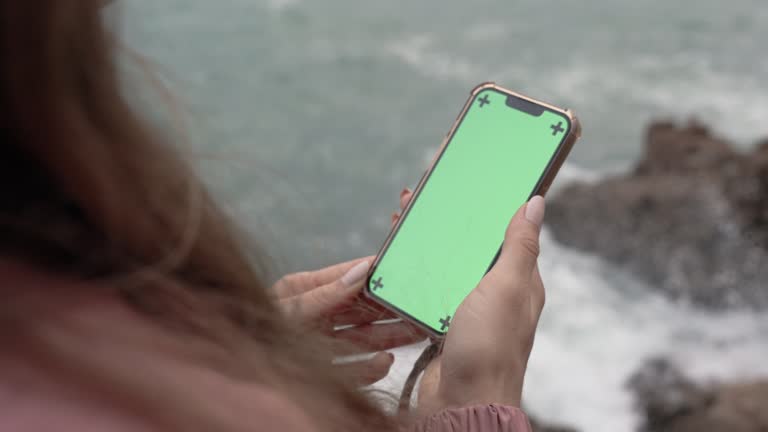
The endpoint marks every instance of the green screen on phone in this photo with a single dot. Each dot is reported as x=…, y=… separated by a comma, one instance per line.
x=452, y=233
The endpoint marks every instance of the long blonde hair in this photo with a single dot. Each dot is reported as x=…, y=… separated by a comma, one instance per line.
x=89, y=192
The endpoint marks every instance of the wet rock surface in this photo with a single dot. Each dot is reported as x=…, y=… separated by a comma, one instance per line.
x=691, y=218
x=671, y=402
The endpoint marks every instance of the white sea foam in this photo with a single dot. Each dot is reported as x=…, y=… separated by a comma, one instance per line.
x=736, y=105
x=572, y=172
x=597, y=330
x=419, y=52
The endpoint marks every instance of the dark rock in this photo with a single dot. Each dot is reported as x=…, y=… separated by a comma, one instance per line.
x=671, y=402
x=673, y=150
x=538, y=426
x=664, y=394
x=691, y=219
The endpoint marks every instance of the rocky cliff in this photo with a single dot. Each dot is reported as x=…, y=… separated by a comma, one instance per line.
x=671, y=402
x=691, y=218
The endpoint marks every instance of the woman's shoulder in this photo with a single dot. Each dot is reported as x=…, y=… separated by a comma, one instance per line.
x=39, y=395
x=33, y=399
x=35, y=395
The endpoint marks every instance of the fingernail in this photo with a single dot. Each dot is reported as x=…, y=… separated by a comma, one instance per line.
x=404, y=192
x=391, y=357
x=535, y=209
x=355, y=274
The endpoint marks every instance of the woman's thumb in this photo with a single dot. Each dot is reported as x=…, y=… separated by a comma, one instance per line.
x=521, y=241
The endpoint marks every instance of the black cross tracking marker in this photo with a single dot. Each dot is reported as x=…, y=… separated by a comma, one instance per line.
x=377, y=284
x=556, y=129
x=484, y=101
x=445, y=323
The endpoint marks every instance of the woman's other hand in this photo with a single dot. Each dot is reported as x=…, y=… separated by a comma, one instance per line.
x=486, y=350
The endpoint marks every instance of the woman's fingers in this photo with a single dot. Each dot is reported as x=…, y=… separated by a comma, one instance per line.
x=371, y=370
x=321, y=303
x=377, y=337
x=362, y=312
x=299, y=283
x=334, y=272
x=405, y=197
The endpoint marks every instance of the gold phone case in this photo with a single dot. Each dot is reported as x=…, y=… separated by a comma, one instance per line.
x=541, y=188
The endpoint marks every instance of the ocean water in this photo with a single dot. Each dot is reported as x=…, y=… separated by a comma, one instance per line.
x=308, y=117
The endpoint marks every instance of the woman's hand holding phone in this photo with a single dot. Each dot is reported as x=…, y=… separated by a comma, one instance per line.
x=486, y=351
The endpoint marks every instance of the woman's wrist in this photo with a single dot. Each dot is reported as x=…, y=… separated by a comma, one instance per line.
x=438, y=390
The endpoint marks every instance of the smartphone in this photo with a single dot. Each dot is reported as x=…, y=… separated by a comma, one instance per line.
x=503, y=149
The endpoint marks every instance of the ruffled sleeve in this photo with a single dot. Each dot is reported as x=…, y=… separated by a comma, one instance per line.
x=481, y=418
